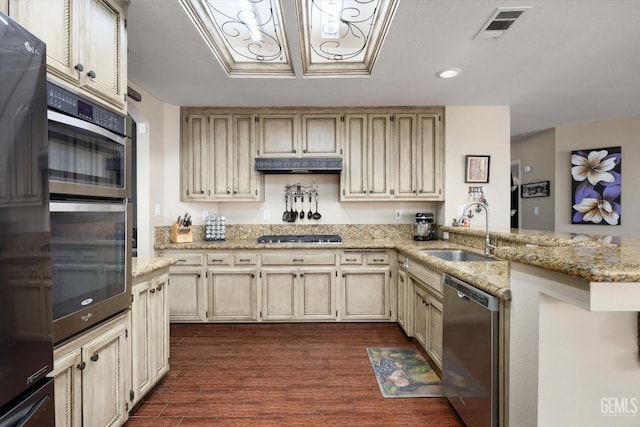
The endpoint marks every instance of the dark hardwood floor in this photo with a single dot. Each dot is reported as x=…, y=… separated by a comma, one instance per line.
x=291, y=374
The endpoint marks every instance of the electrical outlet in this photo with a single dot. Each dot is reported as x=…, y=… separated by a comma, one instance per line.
x=535, y=210
x=267, y=214
x=461, y=210
x=205, y=215
x=398, y=214
x=156, y=209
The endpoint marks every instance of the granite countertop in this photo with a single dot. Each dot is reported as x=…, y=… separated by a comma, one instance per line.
x=142, y=266
x=591, y=258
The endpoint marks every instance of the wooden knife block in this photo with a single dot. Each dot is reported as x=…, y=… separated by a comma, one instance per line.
x=181, y=234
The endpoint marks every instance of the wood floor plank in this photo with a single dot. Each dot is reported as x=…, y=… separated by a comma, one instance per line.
x=285, y=374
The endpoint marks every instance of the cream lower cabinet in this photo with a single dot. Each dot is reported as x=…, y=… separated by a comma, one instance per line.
x=405, y=297
x=187, y=290
x=92, y=376
x=232, y=294
x=366, y=291
x=298, y=293
x=427, y=309
x=306, y=292
x=149, y=332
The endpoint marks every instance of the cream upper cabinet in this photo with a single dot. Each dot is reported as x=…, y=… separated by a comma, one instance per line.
x=321, y=134
x=217, y=158
x=278, y=135
x=367, y=157
x=299, y=135
x=418, y=157
x=86, y=43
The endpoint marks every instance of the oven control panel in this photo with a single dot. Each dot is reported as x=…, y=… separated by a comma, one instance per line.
x=72, y=104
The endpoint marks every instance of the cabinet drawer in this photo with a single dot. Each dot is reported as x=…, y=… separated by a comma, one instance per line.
x=298, y=259
x=187, y=259
x=377, y=258
x=351, y=258
x=430, y=277
x=245, y=259
x=219, y=259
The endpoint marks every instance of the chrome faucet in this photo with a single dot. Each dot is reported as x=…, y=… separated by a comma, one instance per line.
x=479, y=205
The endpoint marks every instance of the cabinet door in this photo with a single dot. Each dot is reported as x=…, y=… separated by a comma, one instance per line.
x=103, y=399
x=232, y=294
x=279, y=294
x=354, y=176
x=405, y=139
x=420, y=316
x=402, y=299
x=278, y=135
x=434, y=343
x=321, y=134
x=185, y=301
x=67, y=374
x=104, y=51
x=57, y=24
x=317, y=296
x=159, y=320
x=219, y=157
x=194, y=158
x=379, y=156
x=429, y=157
x=366, y=293
x=142, y=373
x=247, y=183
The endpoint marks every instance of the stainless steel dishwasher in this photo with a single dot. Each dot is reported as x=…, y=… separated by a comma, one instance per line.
x=470, y=352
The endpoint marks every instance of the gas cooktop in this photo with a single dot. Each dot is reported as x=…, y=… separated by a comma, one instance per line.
x=300, y=238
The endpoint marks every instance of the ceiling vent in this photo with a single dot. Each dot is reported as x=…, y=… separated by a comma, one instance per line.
x=502, y=20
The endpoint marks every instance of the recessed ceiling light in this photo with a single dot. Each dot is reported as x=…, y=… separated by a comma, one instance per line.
x=449, y=73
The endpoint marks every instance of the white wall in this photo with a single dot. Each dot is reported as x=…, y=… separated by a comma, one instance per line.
x=624, y=132
x=537, y=152
x=480, y=131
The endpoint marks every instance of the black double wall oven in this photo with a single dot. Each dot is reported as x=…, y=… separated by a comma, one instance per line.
x=89, y=184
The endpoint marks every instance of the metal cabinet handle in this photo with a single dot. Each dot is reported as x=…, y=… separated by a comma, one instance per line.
x=91, y=74
x=79, y=67
x=216, y=260
x=301, y=274
x=378, y=260
x=228, y=191
x=159, y=288
x=294, y=150
x=95, y=357
x=350, y=259
x=244, y=260
x=182, y=260
x=298, y=260
x=81, y=366
x=153, y=291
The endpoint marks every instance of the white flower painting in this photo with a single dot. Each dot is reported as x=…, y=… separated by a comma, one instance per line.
x=596, y=186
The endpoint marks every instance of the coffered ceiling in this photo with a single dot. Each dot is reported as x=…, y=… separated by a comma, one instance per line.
x=564, y=62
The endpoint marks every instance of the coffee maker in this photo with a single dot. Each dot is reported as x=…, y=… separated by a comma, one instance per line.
x=423, y=228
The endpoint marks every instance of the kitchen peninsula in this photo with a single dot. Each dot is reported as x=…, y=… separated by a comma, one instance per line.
x=568, y=307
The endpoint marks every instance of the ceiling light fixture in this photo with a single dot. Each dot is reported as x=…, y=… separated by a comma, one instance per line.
x=449, y=73
x=342, y=37
x=247, y=36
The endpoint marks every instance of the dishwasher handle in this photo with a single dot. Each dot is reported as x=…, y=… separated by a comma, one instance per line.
x=472, y=293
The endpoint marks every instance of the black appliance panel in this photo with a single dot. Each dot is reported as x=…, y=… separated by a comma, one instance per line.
x=35, y=408
x=26, y=345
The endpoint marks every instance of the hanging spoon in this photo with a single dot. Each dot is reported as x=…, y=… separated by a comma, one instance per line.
x=285, y=215
x=310, y=214
x=301, y=206
x=317, y=215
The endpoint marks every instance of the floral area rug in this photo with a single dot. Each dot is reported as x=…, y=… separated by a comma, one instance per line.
x=403, y=372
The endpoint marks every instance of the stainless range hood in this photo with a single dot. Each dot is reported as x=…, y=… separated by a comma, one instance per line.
x=299, y=165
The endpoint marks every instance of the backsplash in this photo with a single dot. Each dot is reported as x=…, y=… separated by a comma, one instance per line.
x=253, y=231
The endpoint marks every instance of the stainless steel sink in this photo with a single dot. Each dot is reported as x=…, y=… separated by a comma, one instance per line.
x=458, y=255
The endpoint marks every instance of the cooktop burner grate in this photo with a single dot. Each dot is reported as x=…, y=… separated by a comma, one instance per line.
x=300, y=238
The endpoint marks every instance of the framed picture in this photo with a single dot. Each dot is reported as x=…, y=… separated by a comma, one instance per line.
x=477, y=169
x=535, y=189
